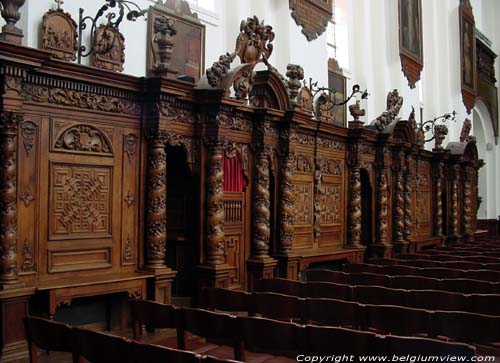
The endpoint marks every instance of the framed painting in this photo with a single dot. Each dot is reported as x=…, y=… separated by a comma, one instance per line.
x=468, y=54
x=188, y=50
x=410, y=39
x=337, y=81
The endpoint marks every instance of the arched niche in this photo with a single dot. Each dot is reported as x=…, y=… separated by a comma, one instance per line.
x=269, y=91
x=401, y=131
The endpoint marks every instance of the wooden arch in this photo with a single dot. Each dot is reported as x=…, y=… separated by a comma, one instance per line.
x=401, y=131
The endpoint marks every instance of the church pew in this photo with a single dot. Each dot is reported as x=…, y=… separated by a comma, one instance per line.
x=449, y=257
x=465, y=286
x=382, y=319
x=379, y=295
x=47, y=335
x=462, y=265
x=465, y=253
x=98, y=347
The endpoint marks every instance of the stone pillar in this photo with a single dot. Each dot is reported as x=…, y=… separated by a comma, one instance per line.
x=215, y=206
x=156, y=221
x=407, y=183
x=399, y=242
x=438, y=217
x=261, y=265
x=467, y=204
x=455, y=179
x=8, y=199
x=156, y=212
x=355, y=205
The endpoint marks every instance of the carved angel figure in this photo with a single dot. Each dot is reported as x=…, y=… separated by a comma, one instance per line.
x=163, y=42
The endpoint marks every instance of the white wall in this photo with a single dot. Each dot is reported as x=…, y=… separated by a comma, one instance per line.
x=372, y=60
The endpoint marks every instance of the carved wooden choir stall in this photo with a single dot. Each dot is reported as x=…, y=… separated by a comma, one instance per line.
x=153, y=186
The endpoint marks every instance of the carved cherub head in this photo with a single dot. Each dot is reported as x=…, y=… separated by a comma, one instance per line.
x=164, y=25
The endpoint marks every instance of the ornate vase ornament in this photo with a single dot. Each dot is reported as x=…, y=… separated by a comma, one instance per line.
x=164, y=39
x=11, y=14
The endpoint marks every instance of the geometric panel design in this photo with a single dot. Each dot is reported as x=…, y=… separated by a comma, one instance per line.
x=303, y=203
x=331, y=204
x=80, y=201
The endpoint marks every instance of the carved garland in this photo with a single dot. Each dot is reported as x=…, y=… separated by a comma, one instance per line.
x=399, y=201
x=467, y=200
x=455, y=169
x=407, y=188
x=130, y=146
x=439, y=202
x=382, y=196
x=29, y=130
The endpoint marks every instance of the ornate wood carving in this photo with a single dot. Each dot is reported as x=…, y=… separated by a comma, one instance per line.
x=215, y=205
x=407, y=195
x=80, y=200
x=129, y=199
x=28, y=257
x=109, y=48
x=59, y=35
x=455, y=179
x=27, y=197
x=84, y=138
x=75, y=98
x=382, y=206
x=128, y=251
x=464, y=133
x=303, y=203
x=234, y=122
x=330, y=204
x=467, y=201
x=8, y=197
x=29, y=130
x=305, y=98
x=312, y=15
x=295, y=74
x=130, y=146
x=318, y=192
x=156, y=211
x=287, y=204
x=331, y=144
x=262, y=213
x=399, y=201
x=438, y=217
x=172, y=109
x=163, y=42
x=355, y=205
x=394, y=103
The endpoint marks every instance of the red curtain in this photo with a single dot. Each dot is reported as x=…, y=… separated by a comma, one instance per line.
x=234, y=181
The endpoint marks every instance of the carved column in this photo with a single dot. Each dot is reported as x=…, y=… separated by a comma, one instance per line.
x=287, y=206
x=261, y=265
x=399, y=242
x=262, y=214
x=8, y=198
x=439, y=175
x=355, y=205
x=382, y=248
x=288, y=265
x=156, y=212
x=455, y=179
x=215, y=206
x=467, y=204
x=407, y=183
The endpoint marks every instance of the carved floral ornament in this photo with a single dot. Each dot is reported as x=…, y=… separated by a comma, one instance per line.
x=84, y=138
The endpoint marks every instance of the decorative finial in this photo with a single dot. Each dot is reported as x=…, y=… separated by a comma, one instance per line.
x=59, y=3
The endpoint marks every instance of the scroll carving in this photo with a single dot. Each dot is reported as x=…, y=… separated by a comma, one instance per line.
x=287, y=205
x=215, y=205
x=355, y=205
x=262, y=214
x=156, y=212
x=394, y=103
x=84, y=138
x=68, y=97
x=8, y=197
x=128, y=251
